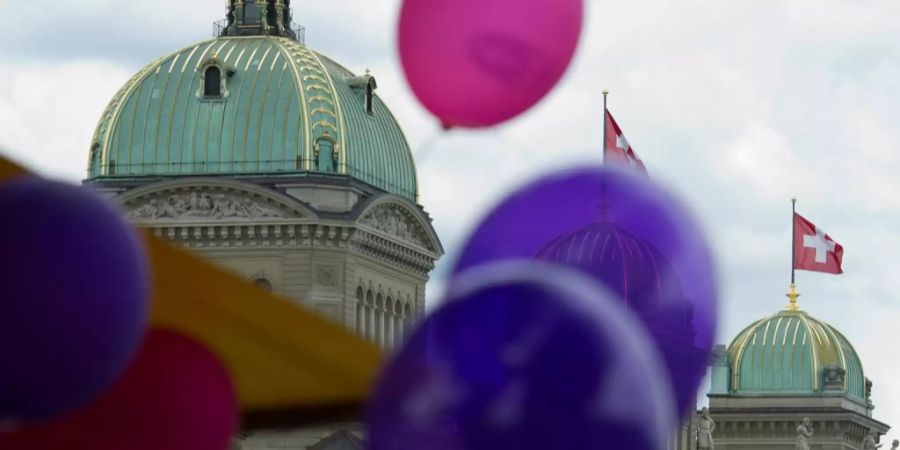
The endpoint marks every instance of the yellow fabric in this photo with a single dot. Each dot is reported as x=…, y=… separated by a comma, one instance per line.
x=280, y=355
x=9, y=169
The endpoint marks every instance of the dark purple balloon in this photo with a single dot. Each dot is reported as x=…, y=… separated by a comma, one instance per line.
x=631, y=235
x=75, y=297
x=524, y=356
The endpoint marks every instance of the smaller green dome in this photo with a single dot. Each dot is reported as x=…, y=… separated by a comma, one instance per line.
x=794, y=353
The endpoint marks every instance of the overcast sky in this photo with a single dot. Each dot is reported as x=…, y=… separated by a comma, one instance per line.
x=736, y=106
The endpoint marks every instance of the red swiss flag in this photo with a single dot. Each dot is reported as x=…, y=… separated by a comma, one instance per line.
x=616, y=148
x=814, y=250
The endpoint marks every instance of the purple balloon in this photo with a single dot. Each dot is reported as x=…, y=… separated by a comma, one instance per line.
x=75, y=297
x=476, y=63
x=524, y=356
x=629, y=234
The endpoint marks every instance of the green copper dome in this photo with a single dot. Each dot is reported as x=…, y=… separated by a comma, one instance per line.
x=794, y=353
x=251, y=105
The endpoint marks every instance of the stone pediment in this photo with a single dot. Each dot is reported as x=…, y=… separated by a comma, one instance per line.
x=395, y=220
x=204, y=203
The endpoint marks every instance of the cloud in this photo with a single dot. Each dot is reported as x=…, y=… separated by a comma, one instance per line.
x=130, y=32
x=49, y=112
x=765, y=162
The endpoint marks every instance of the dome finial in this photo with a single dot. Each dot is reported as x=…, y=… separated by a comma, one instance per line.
x=792, y=298
x=603, y=206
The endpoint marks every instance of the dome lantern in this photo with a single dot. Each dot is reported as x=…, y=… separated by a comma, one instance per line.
x=259, y=18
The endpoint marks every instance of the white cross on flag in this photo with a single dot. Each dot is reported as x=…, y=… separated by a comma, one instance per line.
x=814, y=250
x=617, y=150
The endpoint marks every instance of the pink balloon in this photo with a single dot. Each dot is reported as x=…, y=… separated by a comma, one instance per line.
x=476, y=63
x=175, y=395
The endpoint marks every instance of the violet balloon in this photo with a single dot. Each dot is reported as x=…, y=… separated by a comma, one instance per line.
x=476, y=63
x=175, y=395
x=524, y=356
x=75, y=297
x=631, y=235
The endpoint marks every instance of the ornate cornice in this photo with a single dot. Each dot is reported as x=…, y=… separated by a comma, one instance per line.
x=205, y=213
x=296, y=235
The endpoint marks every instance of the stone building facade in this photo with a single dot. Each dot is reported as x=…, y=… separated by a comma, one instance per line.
x=276, y=162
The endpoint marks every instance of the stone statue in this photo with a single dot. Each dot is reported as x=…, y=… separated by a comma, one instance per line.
x=178, y=204
x=869, y=443
x=224, y=207
x=804, y=433
x=895, y=444
x=705, y=428
x=256, y=210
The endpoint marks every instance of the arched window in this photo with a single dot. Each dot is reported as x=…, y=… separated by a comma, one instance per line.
x=212, y=82
x=389, y=322
x=407, y=319
x=370, y=315
x=360, y=311
x=379, y=319
x=398, y=322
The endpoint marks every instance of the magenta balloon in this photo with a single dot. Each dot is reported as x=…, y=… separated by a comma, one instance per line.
x=476, y=63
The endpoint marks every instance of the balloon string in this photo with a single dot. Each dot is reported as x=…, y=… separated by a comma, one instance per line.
x=425, y=149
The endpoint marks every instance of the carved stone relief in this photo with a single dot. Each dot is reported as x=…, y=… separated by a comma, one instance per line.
x=395, y=221
x=203, y=203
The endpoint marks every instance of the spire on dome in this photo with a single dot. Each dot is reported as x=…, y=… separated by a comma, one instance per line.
x=259, y=18
x=792, y=299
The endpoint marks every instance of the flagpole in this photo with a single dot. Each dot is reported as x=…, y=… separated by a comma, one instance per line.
x=793, y=294
x=605, y=93
x=793, y=238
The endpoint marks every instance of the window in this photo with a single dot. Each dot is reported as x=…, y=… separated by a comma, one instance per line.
x=379, y=319
x=251, y=12
x=370, y=316
x=360, y=312
x=325, y=157
x=212, y=82
x=398, y=322
x=369, y=99
x=389, y=322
